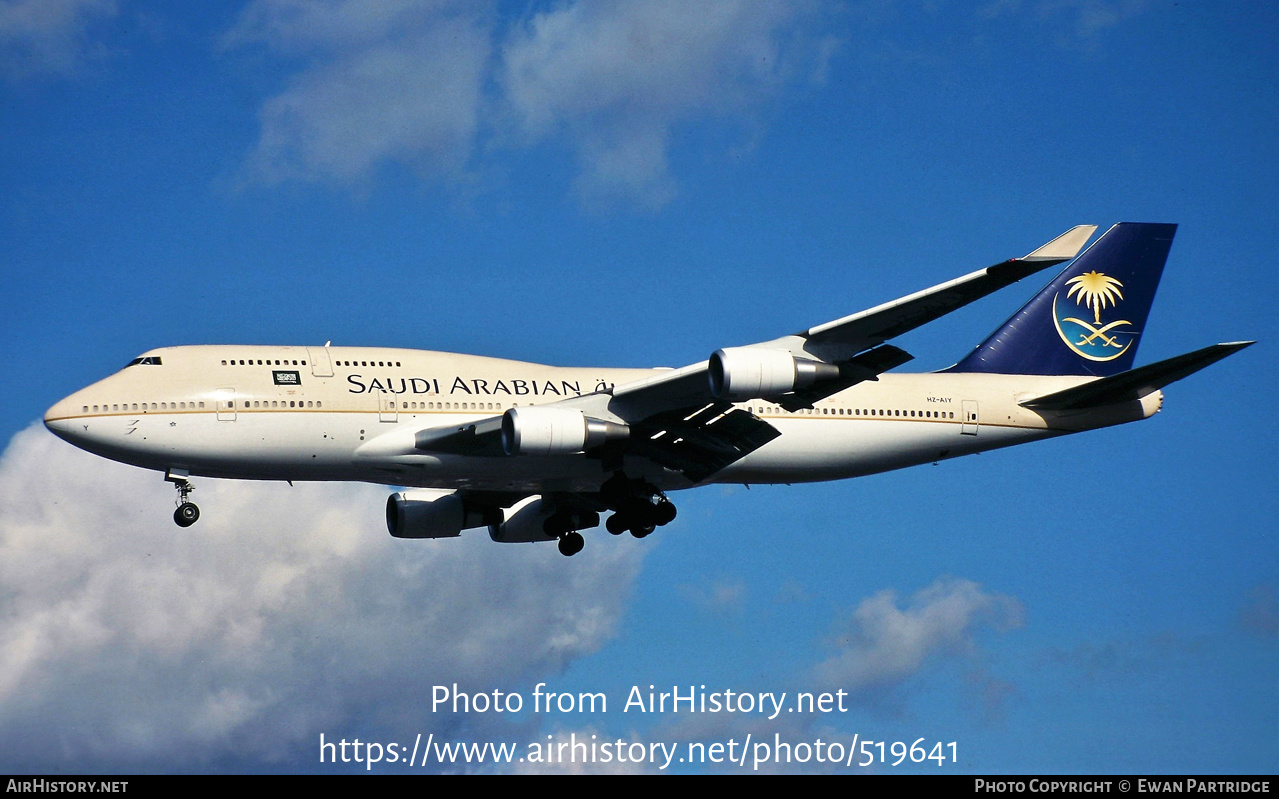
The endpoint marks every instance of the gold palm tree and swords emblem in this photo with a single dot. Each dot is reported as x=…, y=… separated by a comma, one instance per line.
x=1094, y=340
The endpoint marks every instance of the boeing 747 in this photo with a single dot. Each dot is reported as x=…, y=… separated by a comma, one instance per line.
x=538, y=453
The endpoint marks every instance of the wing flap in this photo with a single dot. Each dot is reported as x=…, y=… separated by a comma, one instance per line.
x=702, y=443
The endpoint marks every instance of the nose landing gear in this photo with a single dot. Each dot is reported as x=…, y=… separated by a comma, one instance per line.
x=187, y=513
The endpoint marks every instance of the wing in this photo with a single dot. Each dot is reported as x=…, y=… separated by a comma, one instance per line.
x=853, y=344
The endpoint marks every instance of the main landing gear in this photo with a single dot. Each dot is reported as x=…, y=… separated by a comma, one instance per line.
x=637, y=505
x=642, y=515
x=187, y=513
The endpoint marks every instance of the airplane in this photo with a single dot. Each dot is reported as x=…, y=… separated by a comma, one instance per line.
x=536, y=453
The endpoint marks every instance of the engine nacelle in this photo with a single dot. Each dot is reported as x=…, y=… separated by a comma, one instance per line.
x=425, y=513
x=524, y=523
x=544, y=430
x=742, y=373
x=532, y=520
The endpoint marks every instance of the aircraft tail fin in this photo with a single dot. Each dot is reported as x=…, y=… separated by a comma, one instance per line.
x=1089, y=319
x=1135, y=383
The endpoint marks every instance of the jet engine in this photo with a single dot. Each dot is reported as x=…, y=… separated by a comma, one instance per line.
x=533, y=520
x=544, y=430
x=426, y=513
x=524, y=523
x=741, y=373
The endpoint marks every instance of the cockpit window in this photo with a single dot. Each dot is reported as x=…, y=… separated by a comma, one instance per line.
x=151, y=361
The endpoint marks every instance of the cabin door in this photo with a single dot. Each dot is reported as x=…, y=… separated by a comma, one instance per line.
x=970, y=421
x=226, y=404
x=387, y=406
x=321, y=363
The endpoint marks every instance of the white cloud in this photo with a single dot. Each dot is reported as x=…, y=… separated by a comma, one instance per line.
x=1073, y=22
x=720, y=596
x=126, y=642
x=431, y=85
x=47, y=37
x=617, y=77
x=385, y=83
x=1261, y=613
x=884, y=644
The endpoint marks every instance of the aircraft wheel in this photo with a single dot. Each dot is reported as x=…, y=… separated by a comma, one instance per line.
x=186, y=514
x=571, y=544
x=642, y=530
x=616, y=524
x=664, y=513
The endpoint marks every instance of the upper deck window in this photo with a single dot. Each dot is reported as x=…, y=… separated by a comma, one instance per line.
x=153, y=360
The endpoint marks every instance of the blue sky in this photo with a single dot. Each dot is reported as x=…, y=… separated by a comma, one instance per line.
x=636, y=184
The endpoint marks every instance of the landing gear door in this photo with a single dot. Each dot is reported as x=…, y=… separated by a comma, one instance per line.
x=387, y=406
x=225, y=398
x=970, y=421
x=321, y=363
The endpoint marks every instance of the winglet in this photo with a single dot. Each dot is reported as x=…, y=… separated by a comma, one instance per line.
x=1065, y=246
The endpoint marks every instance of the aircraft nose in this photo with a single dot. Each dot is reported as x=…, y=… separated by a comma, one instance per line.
x=58, y=418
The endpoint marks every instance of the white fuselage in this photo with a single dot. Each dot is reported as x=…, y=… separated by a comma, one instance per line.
x=343, y=413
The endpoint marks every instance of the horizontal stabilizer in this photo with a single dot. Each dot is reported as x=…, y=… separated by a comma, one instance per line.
x=1136, y=383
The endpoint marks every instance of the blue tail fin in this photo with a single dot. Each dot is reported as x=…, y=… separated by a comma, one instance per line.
x=1089, y=320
